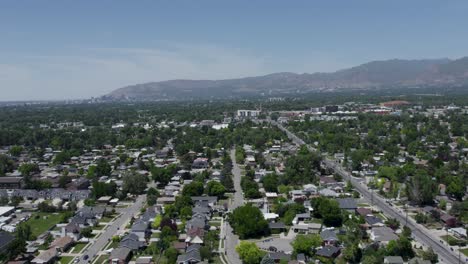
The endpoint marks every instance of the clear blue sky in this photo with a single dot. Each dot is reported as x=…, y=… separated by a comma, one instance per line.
x=78, y=49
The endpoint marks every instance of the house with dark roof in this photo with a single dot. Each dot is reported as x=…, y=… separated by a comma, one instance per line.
x=141, y=229
x=189, y=257
x=132, y=242
x=328, y=252
x=277, y=257
x=329, y=237
x=5, y=241
x=348, y=204
x=364, y=211
x=120, y=255
x=393, y=260
x=46, y=257
x=448, y=220
x=373, y=221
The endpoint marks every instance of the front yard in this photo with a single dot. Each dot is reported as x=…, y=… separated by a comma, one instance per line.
x=41, y=222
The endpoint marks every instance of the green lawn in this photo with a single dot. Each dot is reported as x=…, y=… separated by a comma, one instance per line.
x=215, y=223
x=452, y=241
x=106, y=219
x=65, y=259
x=98, y=227
x=112, y=244
x=44, y=222
x=464, y=251
x=102, y=259
x=79, y=247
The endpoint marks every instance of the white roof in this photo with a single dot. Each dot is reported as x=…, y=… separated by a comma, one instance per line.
x=6, y=209
x=270, y=216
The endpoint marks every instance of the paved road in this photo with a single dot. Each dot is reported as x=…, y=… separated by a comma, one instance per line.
x=113, y=229
x=421, y=233
x=231, y=240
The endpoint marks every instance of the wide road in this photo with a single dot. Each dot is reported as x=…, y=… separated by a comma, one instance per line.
x=113, y=229
x=421, y=233
x=232, y=240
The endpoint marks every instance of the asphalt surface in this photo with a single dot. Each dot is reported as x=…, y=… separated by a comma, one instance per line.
x=112, y=229
x=232, y=240
x=422, y=234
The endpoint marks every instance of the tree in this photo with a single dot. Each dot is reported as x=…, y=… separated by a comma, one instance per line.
x=194, y=188
x=406, y=232
x=171, y=255
x=103, y=189
x=249, y=252
x=134, y=183
x=456, y=188
x=103, y=168
x=157, y=222
x=421, y=188
x=15, y=151
x=401, y=247
x=393, y=223
x=305, y=244
x=352, y=253
x=248, y=222
x=270, y=182
x=63, y=181
x=430, y=255
x=214, y=188
x=329, y=210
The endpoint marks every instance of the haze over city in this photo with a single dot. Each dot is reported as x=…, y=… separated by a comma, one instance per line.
x=83, y=49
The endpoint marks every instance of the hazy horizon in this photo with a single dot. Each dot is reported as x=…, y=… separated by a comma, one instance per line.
x=56, y=50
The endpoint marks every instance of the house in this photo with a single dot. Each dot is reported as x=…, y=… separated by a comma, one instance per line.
x=144, y=260
x=62, y=244
x=132, y=242
x=200, y=163
x=382, y=234
x=459, y=232
x=278, y=257
x=373, y=221
x=191, y=256
x=202, y=200
x=5, y=241
x=46, y=257
x=328, y=252
x=393, y=260
x=448, y=220
x=197, y=221
x=141, y=229
x=363, y=211
x=11, y=182
x=277, y=227
x=348, y=204
x=195, y=236
x=120, y=255
x=329, y=237
x=71, y=230
x=301, y=217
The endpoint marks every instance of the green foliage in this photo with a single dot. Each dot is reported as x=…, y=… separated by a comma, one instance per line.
x=86, y=232
x=270, y=182
x=103, y=189
x=194, y=188
x=401, y=247
x=214, y=188
x=249, y=252
x=15, y=151
x=248, y=222
x=134, y=183
x=6, y=164
x=300, y=169
x=306, y=244
x=329, y=210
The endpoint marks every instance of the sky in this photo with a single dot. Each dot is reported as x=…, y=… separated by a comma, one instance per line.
x=63, y=49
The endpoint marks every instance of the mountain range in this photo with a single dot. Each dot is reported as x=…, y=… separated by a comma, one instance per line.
x=387, y=74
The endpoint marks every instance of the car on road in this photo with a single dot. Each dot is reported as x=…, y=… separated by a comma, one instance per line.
x=85, y=257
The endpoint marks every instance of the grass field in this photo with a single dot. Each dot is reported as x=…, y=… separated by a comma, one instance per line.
x=78, y=247
x=44, y=222
x=102, y=259
x=65, y=259
x=451, y=240
x=464, y=251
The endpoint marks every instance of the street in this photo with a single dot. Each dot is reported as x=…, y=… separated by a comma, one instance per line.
x=421, y=233
x=232, y=240
x=112, y=230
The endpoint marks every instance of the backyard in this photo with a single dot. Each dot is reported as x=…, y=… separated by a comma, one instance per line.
x=41, y=222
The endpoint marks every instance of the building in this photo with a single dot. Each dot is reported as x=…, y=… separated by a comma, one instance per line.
x=245, y=114
x=5, y=240
x=120, y=255
x=11, y=182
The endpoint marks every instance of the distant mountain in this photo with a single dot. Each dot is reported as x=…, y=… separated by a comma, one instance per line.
x=373, y=75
